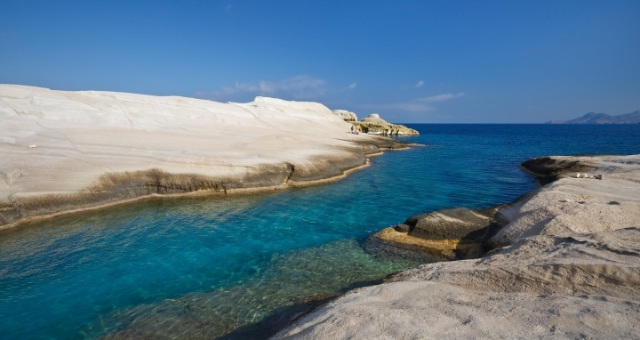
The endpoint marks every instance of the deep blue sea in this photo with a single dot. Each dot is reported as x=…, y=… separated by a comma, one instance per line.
x=208, y=267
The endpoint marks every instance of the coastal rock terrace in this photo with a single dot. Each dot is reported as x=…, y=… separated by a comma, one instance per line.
x=565, y=263
x=65, y=150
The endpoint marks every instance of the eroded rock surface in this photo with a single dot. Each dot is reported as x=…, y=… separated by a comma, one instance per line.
x=347, y=116
x=452, y=233
x=66, y=150
x=374, y=125
x=566, y=264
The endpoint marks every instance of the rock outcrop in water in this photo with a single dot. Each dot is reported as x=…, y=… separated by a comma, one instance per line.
x=565, y=264
x=452, y=233
x=374, y=125
x=64, y=150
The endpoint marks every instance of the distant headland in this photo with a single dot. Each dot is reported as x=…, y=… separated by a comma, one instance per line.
x=602, y=118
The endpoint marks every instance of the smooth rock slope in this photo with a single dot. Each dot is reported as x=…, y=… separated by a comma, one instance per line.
x=566, y=264
x=65, y=150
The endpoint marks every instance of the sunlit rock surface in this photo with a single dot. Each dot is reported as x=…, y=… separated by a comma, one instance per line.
x=374, y=125
x=347, y=116
x=66, y=150
x=451, y=233
x=566, y=264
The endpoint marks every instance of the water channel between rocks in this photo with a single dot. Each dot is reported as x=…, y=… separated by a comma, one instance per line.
x=210, y=267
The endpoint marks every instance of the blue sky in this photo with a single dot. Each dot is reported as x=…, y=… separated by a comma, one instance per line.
x=487, y=61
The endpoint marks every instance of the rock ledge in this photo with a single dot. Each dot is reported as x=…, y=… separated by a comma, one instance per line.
x=566, y=264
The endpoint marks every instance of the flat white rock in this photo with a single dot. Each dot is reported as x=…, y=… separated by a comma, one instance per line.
x=61, y=141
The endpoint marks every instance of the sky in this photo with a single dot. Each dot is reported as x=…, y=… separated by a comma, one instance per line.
x=410, y=61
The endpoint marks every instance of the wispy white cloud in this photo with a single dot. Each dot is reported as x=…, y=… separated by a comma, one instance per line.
x=410, y=106
x=420, y=104
x=298, y=87
x=441, y=97
x=420, y=83
x=353, y=85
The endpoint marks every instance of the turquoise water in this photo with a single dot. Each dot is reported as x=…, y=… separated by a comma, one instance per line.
x=205, y=268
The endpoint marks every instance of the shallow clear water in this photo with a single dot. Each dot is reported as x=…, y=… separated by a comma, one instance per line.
x=203, y=268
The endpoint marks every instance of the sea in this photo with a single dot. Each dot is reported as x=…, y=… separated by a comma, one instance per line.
x=237, y=267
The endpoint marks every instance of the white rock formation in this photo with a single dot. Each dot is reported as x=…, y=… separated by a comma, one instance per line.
x=60, y=142
x=347, y=116
x=374, y=125
x=569, y=269
x=375, y=119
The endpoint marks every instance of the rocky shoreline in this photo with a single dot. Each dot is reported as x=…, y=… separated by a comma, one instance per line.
x=561, y=261
x=125, y=187
x=69, y=151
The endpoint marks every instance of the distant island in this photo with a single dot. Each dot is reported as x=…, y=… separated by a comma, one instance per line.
x=602, y=118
